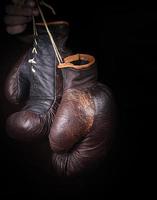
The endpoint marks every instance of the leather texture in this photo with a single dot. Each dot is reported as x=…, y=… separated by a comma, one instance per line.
x=17, y=82
x=83, y=129
x=37, y=78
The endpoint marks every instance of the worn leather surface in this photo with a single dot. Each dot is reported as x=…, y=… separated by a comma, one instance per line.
x=17, y=83
x=82, y=132
x=43, y=83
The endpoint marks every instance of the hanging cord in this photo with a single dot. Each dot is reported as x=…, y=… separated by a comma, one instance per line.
x=35, y=34
x=22, y=2
x=48, y=6
x=34, y=50
x=59, y=58
x=34, y=28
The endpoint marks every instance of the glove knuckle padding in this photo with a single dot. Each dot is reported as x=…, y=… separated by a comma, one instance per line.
x=45, y=90
x=24, y=124
x=75, y=116
x=82, y=131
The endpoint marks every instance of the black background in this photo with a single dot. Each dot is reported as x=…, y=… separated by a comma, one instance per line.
x=123, y=38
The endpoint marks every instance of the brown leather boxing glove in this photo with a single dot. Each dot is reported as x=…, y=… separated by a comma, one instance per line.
x=82, y=132
x=37, y=74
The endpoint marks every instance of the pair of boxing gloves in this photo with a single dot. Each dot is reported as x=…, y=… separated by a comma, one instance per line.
x=63, y=102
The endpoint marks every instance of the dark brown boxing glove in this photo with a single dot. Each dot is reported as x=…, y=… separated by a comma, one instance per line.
x=37, y=78
x=82, y=132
